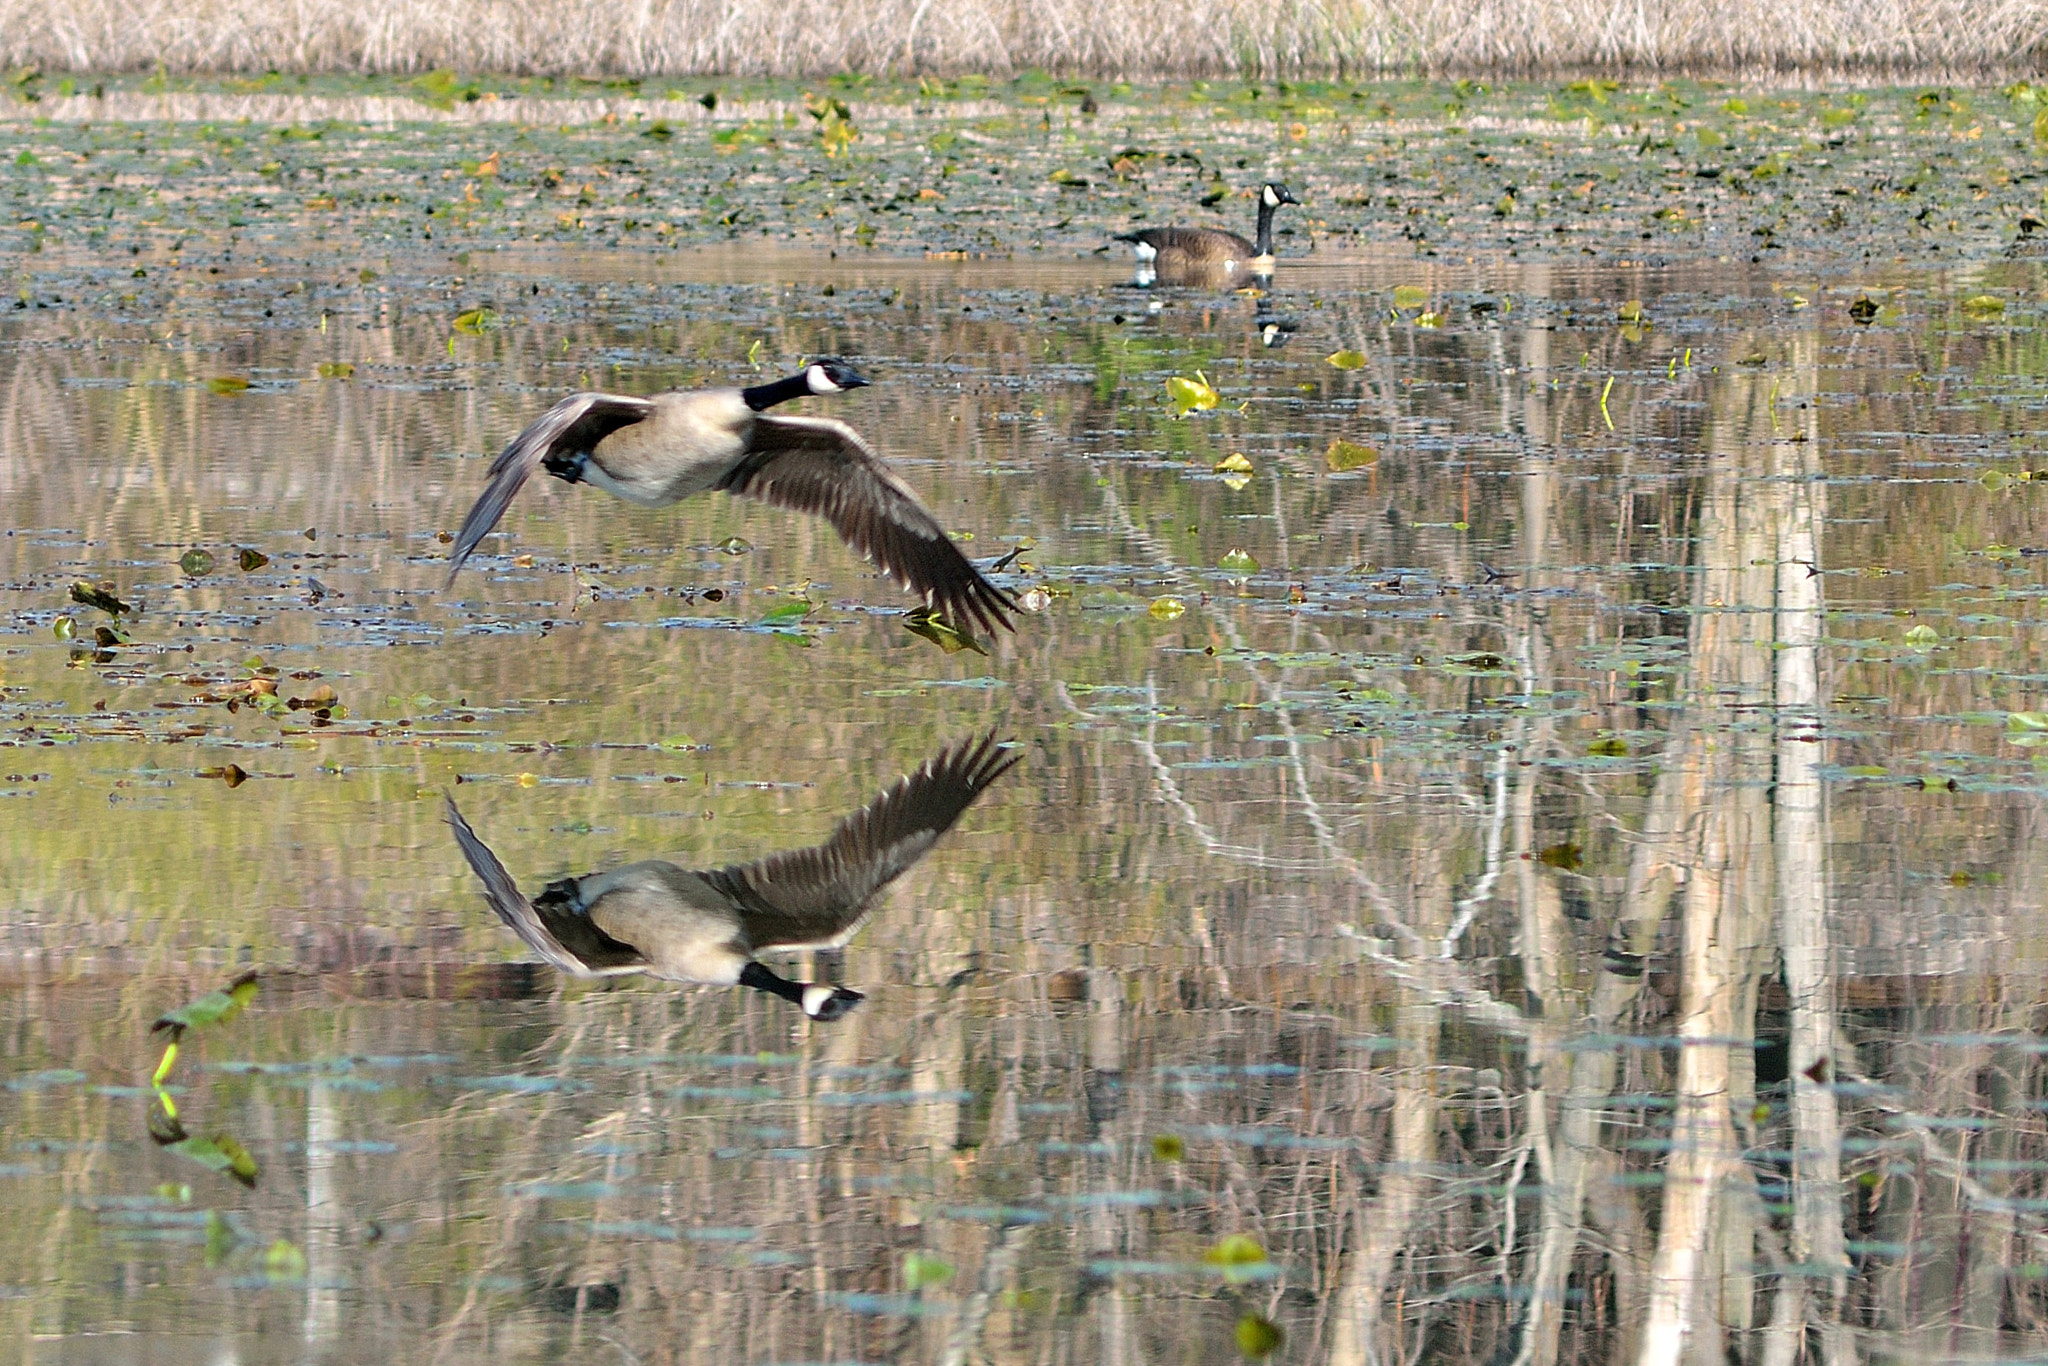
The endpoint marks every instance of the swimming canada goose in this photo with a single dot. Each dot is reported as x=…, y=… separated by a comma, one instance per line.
x=1200, y=256
x=706, y=926
x=661, y=450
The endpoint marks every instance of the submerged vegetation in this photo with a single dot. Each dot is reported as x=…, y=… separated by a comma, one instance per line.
x=365, y=167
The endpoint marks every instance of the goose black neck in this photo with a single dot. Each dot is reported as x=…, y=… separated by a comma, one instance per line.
x=1263, y=246
x=761, y=979
x=761, y=397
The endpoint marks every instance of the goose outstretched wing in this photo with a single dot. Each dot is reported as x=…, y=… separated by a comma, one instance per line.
x=574, y=425
x=816, y=897
x=567, y=940
x=825, y=468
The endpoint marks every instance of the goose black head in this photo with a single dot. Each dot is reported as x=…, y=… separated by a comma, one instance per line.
x=829, y=1003
x=1276, y=194
x=832, y=377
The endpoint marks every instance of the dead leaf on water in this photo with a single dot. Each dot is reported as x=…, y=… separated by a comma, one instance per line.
x=234, y=775
x=100, y=596
x=251, y=560
x=227, y=384
x=921, y=622
x=1191, y=395
x=1566, y=856
x=1346, y=360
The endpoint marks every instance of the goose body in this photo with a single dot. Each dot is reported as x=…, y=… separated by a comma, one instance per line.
x=707, y=926
x=661, y=450
x=1208, y=256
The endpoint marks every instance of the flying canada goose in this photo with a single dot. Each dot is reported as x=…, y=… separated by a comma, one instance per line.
x=661, y=450
x=1208, y=256
x=706, y=926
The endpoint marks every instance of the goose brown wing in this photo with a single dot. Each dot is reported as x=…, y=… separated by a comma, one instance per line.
x=813, y=897
x=1198, y=242
x=819, y=466
x=589, y=953
x=571, y=427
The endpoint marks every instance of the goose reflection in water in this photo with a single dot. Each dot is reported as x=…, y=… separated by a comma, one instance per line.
x=706, y=926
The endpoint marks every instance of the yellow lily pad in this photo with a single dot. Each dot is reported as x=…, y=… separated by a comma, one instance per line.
x=1348, y=455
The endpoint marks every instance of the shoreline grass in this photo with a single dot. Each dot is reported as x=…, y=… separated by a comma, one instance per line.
x=1133, y=38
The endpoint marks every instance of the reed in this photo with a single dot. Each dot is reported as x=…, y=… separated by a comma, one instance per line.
x=1096, y=37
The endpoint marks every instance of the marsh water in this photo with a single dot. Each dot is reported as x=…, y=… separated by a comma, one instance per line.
x=1529, y=860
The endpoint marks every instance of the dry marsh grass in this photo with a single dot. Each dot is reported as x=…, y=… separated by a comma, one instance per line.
x=1107, y=37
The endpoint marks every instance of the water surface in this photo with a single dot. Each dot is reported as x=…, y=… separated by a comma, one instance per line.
x=1561, y=878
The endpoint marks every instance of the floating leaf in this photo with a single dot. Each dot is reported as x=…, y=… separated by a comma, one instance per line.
x=1922, y=637
x=1239, y=561
x=220, y=1153
x=792, y=611
x=921, y=1269
x=478, y=321
x=283, y=1261
x=1167, y=609
x=1169, y=1148
x=1034, y=599
x=1430, y=318
x=1984, y=307
x=196, y=562
x=1609, y=747
x=922, y=622
x=1258, y=1336
x=63, y=628
x=234, y=775
x=1864, y=310
x=251, y=559
x=734, y=545
x=1410, y=296
x=1567, y=856
x=215, y=1007
x=220, y=1238
x=100, y=596
x=1236, y=1250
x=1348, y=455
x=1632, y=312
x=336, y=369
x=1191, y=395
x=1346, y=360
x=227, y=384
x=1234, y=463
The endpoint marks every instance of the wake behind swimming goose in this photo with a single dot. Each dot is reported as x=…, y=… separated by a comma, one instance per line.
x=707, y=926
x=1208, y=256
x=661, y=450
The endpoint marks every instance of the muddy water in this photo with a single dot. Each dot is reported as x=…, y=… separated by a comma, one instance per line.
x=1560, y=883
